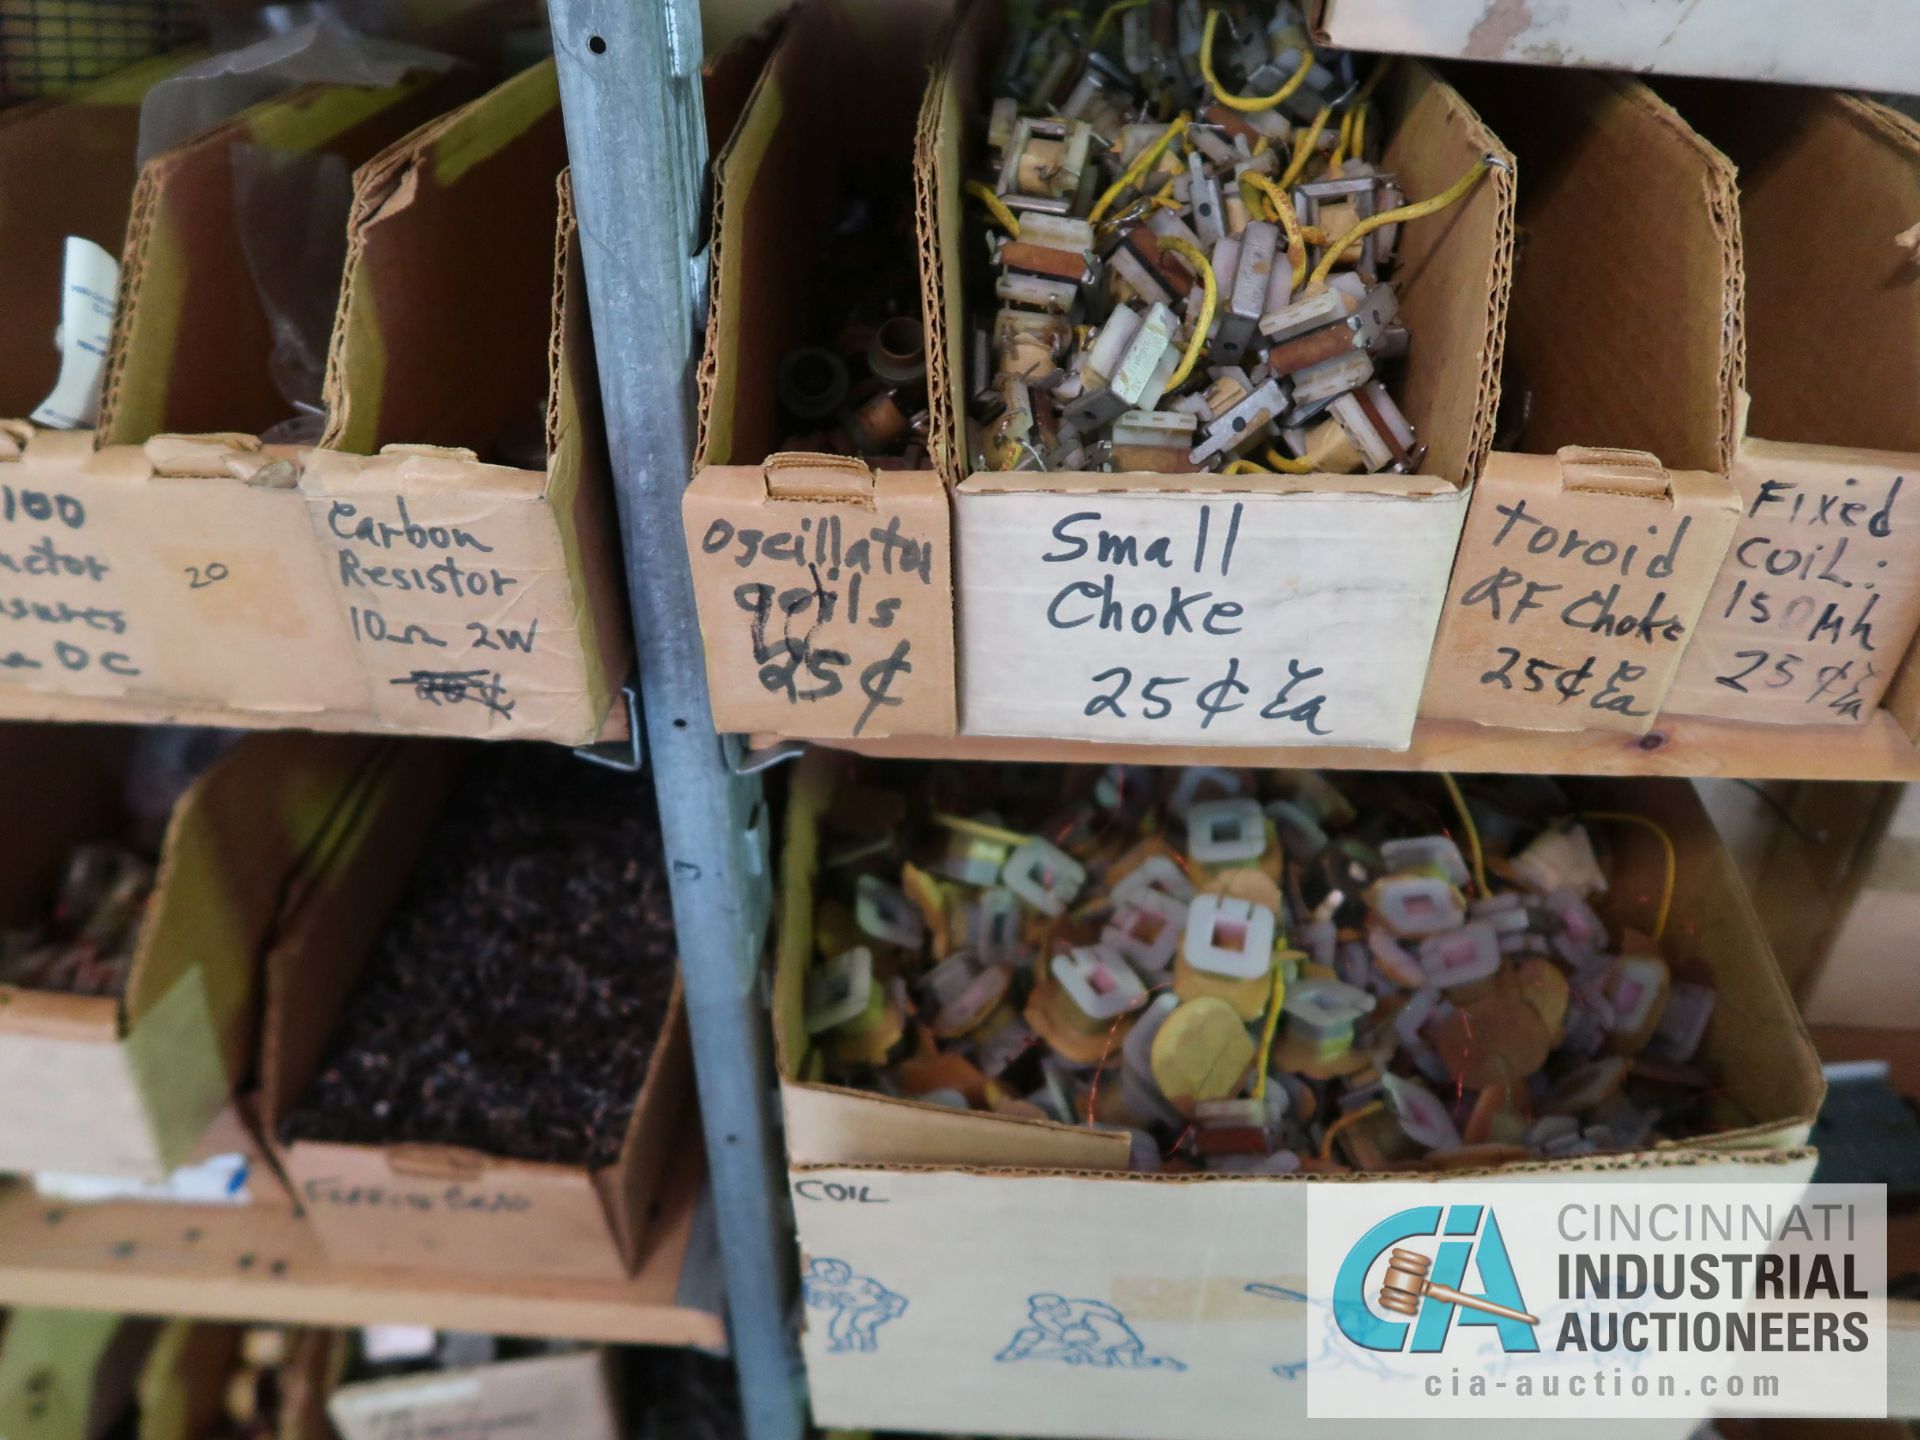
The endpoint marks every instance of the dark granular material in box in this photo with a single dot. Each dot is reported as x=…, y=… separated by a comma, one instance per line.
x=514, y=999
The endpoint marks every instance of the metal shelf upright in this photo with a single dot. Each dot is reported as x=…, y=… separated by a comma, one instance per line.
x=636, y=135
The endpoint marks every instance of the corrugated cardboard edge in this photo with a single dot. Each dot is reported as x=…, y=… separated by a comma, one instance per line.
x=706, y=374
x=1674, y=1158
x=1411, y=78
x=1902, y=132
x=383, y=181
x=944, y=438
x=1722, y=198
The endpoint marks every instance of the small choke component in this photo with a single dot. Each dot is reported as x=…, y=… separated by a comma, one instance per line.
x=84, y=944
x=514, y=998
x=859, y=384
x=1192, y=242
x=1253, y=972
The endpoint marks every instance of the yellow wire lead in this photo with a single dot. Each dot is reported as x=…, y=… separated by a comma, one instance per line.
x=1107, y=16
x=1472, y=830
x=1419, y=210
x=996, y=207
x=1246, y=103
x=1666, y=846
x=1180, y=245
x=1142, y=163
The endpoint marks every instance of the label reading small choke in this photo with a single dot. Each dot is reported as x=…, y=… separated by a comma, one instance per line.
x=1156, y=617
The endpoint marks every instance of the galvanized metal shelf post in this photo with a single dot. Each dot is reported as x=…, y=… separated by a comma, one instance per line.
x=630, y=87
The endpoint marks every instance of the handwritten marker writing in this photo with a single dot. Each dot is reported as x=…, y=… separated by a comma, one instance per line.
x=1406, y=1283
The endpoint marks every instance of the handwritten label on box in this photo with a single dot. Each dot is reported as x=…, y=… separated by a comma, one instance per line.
x=1579, y=581
x=67, y=623
x=456, y=592
x=825, y=598
x=1819, y=593
x=1155, y=617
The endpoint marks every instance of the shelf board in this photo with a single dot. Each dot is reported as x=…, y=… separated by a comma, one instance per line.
x=261, y=1262
x=1676, y=746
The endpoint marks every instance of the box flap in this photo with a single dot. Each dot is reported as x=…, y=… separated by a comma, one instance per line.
x=449, y=253
x=825, y=594
x=191, y=338
x=1577, y=587
x=1625, y=325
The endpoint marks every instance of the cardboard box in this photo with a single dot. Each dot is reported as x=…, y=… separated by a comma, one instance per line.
x=439, y=1207
x=1586, y=560
x=824, y=585
x=68, y=1374
x=956, y=1258
x=1070, y=623
x=1820, y=591
x=67, y=169
x=413, y=590
x=1770, y=1082
x=1848, y=43
x=568, y=1397
x=926, y=1233
x=127, y=1086
x=192, y=336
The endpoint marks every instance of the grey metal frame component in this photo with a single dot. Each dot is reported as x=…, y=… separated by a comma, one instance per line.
x=636, y=134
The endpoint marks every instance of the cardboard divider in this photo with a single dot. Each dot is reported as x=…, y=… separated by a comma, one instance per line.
x=448, y=243
x=1769, y=1088
x=1587, y=555
x=414, y=590
x=126, y=1086
x=67, y=169
x=1062, y=632
x=1819, y=594
x=823, y=584
x=192, y=338
x=433, y=1207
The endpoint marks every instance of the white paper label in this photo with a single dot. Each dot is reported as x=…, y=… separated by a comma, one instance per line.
x=89, y=283
x=1181, y=619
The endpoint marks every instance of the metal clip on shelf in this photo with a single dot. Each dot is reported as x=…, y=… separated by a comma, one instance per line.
x=630, y=87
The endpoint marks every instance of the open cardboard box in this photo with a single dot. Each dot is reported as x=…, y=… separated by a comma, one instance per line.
x=966, y=1216
x=822, y=582
x=1587, y=556
x=438, y=1207
x=1820, y=591
x=127, y=1086
x=1770, y=1090
x=1345, y=573
x=412, y=589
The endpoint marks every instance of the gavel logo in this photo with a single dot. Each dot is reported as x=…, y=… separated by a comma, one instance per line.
x=1406, y=1284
